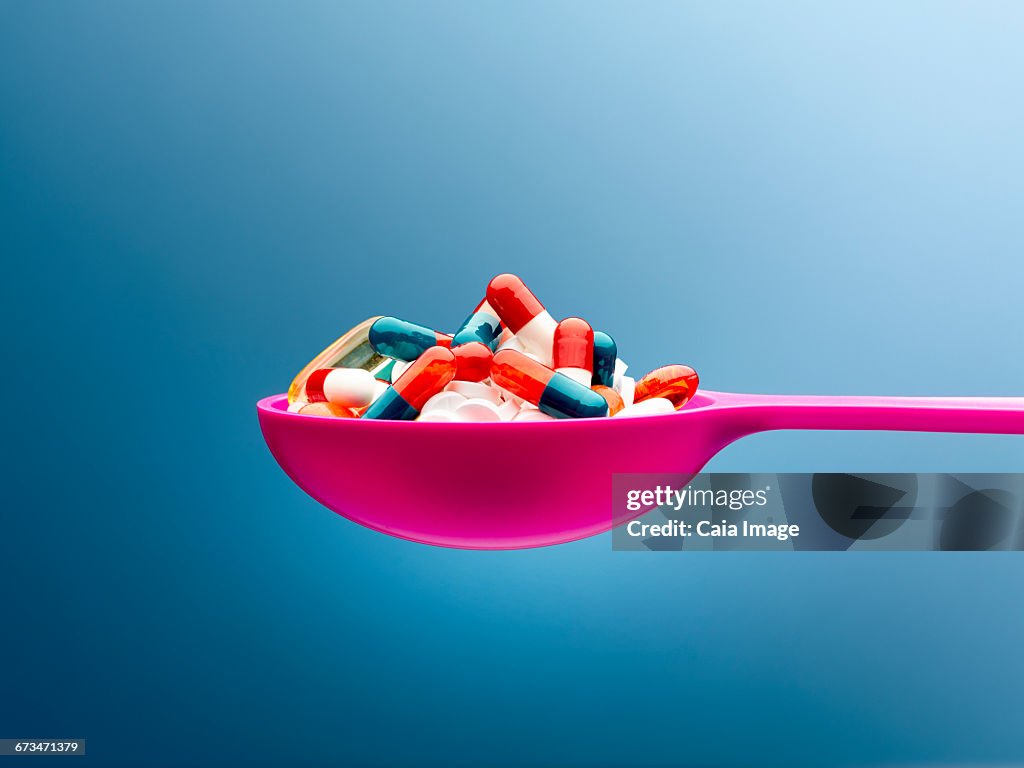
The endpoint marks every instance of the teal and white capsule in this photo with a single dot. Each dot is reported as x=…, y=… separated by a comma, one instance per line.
x=482, y=325
x=554, y=393
x=605, y=353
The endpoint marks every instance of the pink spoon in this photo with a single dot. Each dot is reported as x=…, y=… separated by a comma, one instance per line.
x=530, y=484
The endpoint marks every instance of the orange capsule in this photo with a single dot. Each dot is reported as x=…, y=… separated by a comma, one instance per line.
x=677, y=383
x=613, y=398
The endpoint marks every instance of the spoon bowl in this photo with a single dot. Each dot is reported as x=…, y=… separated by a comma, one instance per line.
x=511, y=485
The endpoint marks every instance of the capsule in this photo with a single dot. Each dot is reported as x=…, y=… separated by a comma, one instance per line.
x=523, y=314
x=349, y=387
x=321, y=409
x=351, y=350
x=428, y=375
x=473, y=361
x=403, y=340
x=605, y=353
x=553, y=393
x=676, y=383
x=482, y=325
x=573, y=350
x=406, y=341
x=613, y=398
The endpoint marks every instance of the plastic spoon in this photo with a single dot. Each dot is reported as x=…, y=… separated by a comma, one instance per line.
x=512, y=485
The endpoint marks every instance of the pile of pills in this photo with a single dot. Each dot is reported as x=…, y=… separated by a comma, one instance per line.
x=509, y=361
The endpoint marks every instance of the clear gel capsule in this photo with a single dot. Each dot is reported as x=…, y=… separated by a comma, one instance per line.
x=351, y=350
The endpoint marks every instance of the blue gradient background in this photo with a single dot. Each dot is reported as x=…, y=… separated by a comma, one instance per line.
x=195, y=198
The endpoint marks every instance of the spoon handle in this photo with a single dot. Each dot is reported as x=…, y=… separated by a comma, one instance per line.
x=990, y=415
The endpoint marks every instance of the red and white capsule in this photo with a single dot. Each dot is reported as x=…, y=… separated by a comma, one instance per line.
x=348, y=387
x=573, y=350
x=523, y=314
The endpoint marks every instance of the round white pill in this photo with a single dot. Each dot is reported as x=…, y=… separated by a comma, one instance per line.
x=475, y=389
x=438, y=415
x=532, y=414
x=508, y=397
x=478, y=410
x=443, y=401
x=508, y=410
x=351, y=387
x=649, y=407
